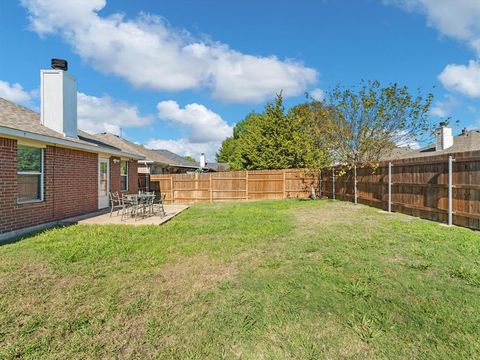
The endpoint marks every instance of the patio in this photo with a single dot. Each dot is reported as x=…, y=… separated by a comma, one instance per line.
x=102, y=218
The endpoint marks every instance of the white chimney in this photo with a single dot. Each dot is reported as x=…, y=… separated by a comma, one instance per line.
x=202, y=160
x=444, y=137
x=58, y=108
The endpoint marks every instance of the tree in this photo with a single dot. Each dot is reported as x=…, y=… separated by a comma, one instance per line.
x=189, y=159
x=226, y=151
x=369, y=122
x=273, y=139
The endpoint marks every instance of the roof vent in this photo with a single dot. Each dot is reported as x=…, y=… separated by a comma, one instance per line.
x=59, y=64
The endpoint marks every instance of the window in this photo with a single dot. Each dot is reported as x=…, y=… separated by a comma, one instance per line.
x=124, y=175
x=29, y=174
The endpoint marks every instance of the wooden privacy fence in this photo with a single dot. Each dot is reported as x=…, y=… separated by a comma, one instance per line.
x=443, y=188
x=236, y=185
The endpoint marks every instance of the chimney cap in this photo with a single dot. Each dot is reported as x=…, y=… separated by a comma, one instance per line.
x=443, y=124
x=59, y=64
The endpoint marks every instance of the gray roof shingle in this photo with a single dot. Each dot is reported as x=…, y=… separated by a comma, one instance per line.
x=17, y=117
x=159, y=157
x=466, y=141
x=175, y=158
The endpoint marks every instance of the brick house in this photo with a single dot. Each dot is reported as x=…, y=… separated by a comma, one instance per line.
x=49, y=170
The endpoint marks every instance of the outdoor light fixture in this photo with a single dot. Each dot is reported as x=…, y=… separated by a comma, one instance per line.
x=116, y=161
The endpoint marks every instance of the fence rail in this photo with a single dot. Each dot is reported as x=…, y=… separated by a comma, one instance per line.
x=237, y=185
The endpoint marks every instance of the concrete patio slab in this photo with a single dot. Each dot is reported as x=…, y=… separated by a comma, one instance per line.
x=104, y=218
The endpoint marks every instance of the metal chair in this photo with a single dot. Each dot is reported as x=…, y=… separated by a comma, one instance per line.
x=158, y=203
x=149, y=208
x=141, y=206
x=115, y=201
x=128, y=203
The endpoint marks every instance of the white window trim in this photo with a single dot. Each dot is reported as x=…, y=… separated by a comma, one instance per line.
x=41, y=173
x=126, y=175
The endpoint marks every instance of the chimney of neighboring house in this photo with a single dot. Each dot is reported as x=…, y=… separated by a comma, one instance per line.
x=444, y=137
x=202, y=160
x=58, y=93
x=464, y=131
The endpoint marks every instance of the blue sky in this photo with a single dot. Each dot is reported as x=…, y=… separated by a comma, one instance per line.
x=179, y=74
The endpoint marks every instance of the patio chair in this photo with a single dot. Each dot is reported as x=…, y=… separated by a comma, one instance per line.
x=128, y=204
x=149, y=205
x=115, y=202
x=158, y=204
x=140, y=207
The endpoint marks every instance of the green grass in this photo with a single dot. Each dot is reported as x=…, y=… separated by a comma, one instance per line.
x=269, y=280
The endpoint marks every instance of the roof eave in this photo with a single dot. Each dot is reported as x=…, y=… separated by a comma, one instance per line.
x=64, y=142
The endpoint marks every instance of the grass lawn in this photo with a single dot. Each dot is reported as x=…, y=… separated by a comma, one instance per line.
x=250, y=280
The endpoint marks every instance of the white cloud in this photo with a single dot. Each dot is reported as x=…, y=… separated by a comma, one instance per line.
x=184, y=147
x=405, y=139
x=14, y=93
x=458, y=19
x=464, y=79
x=206, y=129
x=149, y=53
x=317, y=94
x=444, y=108
x=99, y=114
x=202, y=124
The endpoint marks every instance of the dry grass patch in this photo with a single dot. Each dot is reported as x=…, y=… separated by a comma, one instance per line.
x=185, y=278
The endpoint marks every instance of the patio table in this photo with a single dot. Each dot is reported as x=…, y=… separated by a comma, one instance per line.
x=138, y=202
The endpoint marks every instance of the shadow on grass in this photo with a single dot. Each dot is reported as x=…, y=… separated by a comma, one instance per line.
x=33, y=233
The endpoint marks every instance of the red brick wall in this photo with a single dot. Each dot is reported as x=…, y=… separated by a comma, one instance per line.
x=70, y=186
x=75, y=179
x=133, y=176
x=115, y=176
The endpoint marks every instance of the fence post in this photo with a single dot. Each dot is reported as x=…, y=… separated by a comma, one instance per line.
x=246, y=184
x=320, y=184
x=389, y=186
x=284, y=185
x=450, y=190
x=333, y=183
x=211, y=188
x=355, y=183
x=172, y=192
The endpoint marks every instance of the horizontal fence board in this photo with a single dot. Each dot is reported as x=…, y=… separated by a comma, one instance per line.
x=237, y=185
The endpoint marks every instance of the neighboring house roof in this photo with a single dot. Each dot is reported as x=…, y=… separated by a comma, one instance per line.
x=176, y=159
x=149, y=155
x=466, y=141
x=399, y=153
x=18, y=121
x=214, y=166
x=181, y=160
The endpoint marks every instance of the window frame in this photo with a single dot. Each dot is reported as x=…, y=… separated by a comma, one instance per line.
x=124, y=175
x=41, y=174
